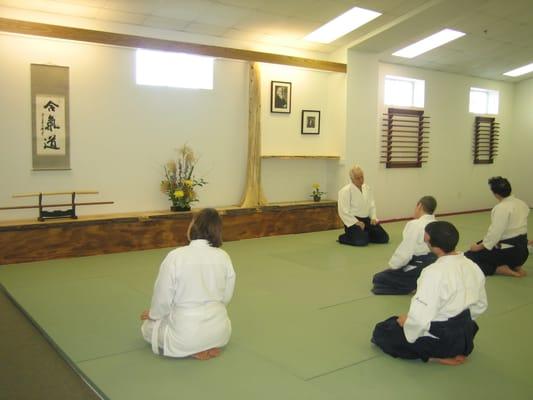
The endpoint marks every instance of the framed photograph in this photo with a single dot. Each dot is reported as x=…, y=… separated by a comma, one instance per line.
x=310, y=122
x=280, y=97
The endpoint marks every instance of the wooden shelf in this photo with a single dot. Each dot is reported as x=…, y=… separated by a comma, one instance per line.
x=297, y=157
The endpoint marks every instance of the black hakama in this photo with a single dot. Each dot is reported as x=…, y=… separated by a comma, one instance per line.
x=400, y=281
x=455, y=337
x=489, y=260
x=355, y=236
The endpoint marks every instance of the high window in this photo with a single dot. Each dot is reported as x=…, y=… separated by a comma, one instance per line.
x=484, y=101
x=160, y=68
x=404, y=92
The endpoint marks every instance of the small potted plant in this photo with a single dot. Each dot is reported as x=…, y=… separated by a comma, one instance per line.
x=179, y=181
x=316, y=194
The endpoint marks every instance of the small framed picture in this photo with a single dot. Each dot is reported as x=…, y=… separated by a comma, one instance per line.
x=280, y=97
x=310, y=122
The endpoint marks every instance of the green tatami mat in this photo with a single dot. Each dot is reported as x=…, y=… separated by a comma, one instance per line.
x=30, y=368
x=302, y=317
x=89, y=318
x=236, y=374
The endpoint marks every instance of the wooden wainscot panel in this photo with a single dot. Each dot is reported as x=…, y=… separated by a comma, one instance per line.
x=51, y=240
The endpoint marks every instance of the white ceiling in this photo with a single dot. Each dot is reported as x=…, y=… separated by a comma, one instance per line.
x=499, y=32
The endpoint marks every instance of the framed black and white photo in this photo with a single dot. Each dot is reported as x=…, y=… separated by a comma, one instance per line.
x=280, y=97
x=310, y=122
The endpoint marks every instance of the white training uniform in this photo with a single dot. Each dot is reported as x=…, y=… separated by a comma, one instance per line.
x=445, y=288
x=354, y=202
x=508, y=220
x=188, y=309
x=412, y=243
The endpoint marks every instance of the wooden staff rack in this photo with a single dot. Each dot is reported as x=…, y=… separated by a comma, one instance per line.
x=404, y=138
x=485, y=145
x=45, y=213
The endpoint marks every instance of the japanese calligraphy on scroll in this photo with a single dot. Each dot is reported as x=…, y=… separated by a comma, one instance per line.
x=50, y=114
x=50, y=134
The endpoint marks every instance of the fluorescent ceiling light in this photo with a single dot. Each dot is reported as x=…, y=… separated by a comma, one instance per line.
x=429, y=43
x=343, y=24
x=520, y=71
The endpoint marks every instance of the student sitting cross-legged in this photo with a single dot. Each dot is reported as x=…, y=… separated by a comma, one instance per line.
x=411, y=256
x=187, y=316
x=440, y=323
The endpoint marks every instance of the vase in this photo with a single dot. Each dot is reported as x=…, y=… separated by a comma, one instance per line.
x=180, y=208
x=316, y=198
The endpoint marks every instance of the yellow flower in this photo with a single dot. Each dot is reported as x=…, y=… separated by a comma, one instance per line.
x=178, y=194
x=187, y=182
x=316, y=186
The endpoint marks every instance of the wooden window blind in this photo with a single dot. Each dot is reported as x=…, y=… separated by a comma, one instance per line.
x=485, y=140
x=404, y=138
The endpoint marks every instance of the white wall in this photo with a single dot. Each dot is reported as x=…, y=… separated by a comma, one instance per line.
x=122, y=134
x=449, y=174
x=289, y=180
x=521, y=149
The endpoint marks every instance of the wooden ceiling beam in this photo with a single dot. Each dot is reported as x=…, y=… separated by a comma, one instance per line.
x=141, y=42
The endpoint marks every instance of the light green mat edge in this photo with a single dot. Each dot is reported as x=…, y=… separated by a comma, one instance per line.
x=302, y=317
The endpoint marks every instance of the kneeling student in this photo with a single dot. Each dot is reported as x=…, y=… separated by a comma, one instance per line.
x=411, y=256
x=187, y=316
x=440, y=323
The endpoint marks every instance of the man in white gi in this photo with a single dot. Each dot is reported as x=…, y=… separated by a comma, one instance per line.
x=357, y=211
x=440, y=323
x=503, y=250
x=411, y=256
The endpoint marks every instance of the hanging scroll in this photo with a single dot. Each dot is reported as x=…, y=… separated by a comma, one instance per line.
x=50, y=111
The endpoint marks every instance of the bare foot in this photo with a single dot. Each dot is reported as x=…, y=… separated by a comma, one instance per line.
x=457, y=360
x=207, y=354
x=505, y=270
x=521, y=271
x=214, y=352
x=203, y=355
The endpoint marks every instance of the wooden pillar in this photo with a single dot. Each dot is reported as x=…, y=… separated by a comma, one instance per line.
x=253, y=193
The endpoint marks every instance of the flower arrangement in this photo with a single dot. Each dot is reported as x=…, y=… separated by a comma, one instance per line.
x=179, y=181
x=316, y=194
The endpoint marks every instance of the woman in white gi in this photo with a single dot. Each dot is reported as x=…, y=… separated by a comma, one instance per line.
x=440, y=323
x=187, y=316
x=503, y=250
x=411, y=256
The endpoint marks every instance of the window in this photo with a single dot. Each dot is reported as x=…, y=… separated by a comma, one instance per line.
x=160, y=68
x=404, y=92
x=484, y=101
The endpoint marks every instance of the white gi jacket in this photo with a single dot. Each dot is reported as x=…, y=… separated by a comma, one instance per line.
x=412, y=242
x=194, y=285
x=353, y=202
x=508, y=219
x=446, y=288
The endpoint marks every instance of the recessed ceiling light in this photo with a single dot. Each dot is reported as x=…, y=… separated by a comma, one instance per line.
x=520, y=71
x=429, y=43
x=343, y=24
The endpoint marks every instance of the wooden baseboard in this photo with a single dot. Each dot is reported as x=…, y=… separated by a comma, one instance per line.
x=26, y=241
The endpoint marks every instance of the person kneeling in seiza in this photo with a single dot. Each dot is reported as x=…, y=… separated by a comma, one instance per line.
x=411, y=256
x=188, y=316
x=440, y=323
x=357, y=210
x=503, y=250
